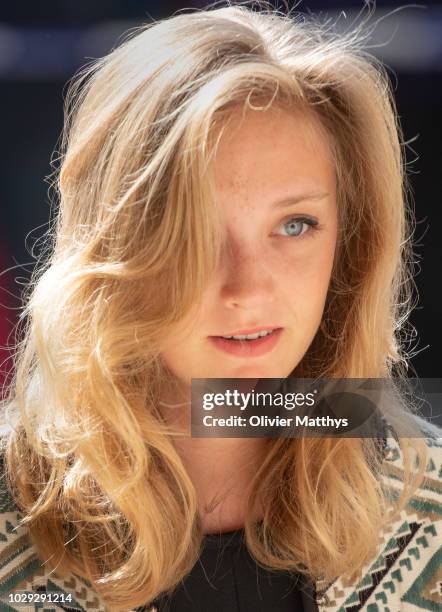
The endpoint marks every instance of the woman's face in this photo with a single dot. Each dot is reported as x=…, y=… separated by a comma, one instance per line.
x=275, y=184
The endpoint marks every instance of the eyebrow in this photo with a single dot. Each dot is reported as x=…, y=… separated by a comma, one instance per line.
x=290, y=201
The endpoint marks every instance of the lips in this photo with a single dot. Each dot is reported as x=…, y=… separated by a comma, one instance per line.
x=247, y=348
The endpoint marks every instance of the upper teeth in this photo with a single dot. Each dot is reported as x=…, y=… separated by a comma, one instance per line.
x=251, y=336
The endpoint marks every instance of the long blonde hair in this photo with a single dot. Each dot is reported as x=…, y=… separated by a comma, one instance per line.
x=135, y=239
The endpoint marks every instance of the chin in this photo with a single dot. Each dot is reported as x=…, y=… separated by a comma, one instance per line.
x=253, y=371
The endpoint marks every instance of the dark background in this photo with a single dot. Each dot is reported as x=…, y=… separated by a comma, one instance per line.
x=43, y=43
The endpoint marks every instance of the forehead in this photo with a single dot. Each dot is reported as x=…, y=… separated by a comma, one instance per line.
x=259, y=149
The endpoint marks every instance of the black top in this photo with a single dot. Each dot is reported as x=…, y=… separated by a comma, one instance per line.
x=227, y=579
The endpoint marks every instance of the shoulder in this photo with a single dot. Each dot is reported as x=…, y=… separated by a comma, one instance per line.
x=427, y=499
x=406, y=572
x=21, y=570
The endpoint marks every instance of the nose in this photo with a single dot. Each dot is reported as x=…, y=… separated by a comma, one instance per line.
x=247, y=279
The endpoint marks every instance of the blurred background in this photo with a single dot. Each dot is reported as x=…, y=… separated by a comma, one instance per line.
x=43, y=43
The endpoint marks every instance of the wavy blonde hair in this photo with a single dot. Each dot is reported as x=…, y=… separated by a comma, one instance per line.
x=136, y=237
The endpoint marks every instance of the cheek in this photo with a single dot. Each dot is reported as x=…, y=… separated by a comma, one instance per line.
x=179, y=358
x=179, y=347
x=305, y=278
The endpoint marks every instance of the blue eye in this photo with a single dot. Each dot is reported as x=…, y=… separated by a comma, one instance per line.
x=296, y=226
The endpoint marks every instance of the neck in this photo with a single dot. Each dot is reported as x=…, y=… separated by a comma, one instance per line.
x=221, y=469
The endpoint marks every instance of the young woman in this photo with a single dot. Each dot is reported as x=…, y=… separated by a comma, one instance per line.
x=223, y=172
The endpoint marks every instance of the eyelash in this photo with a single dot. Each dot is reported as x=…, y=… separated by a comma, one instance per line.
x=312, y=223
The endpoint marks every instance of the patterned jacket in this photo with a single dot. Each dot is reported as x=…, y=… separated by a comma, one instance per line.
x=405, y=574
